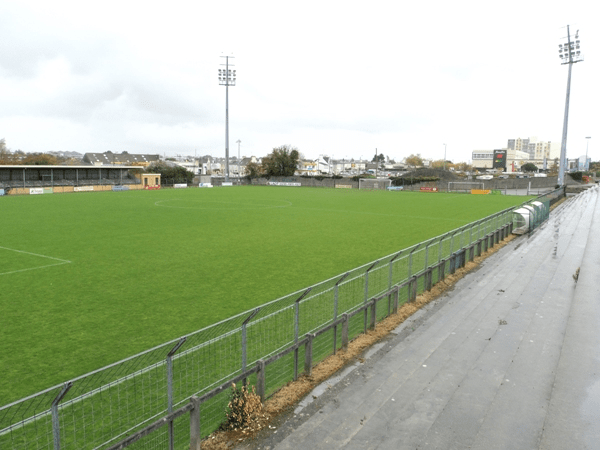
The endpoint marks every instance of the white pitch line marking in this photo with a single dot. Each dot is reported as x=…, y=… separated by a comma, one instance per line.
x=60, y=263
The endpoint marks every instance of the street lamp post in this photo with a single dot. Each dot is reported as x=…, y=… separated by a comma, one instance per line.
x=569, y=54
x=586, y=165
x=227, y=78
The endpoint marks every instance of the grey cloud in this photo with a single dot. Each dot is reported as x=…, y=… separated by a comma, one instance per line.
x=26, y=45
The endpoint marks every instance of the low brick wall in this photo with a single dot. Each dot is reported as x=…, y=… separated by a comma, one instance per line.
x=68, y=189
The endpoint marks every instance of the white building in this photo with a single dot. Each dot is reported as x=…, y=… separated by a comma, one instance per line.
x=484, y=159
x=537, y=150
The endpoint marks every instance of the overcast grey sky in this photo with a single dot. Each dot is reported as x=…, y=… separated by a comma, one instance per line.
x=339, y=78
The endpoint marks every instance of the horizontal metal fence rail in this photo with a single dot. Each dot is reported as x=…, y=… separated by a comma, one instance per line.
x=268, y=347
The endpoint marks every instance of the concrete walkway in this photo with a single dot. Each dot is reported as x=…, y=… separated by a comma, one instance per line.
x=510, y=359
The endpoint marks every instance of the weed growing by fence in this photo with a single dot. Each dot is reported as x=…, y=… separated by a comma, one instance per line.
x=243, y=407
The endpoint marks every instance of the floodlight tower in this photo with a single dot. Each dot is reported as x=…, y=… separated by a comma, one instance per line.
x=569, y=54
x=227, y=78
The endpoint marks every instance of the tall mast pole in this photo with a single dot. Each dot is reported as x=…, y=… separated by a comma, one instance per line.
x=227, y=78
x=227, y=120
x=570, y=56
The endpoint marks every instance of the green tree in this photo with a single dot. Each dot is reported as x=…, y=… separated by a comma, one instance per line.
x=40, y=159
x=553, y=170
x=414, y=160
x=171, y=174
x=253, y=170
x=378, y=158
x=529, y=167
x=283, y=161
x=463, y=167
x=577, y=176
x=6, y=156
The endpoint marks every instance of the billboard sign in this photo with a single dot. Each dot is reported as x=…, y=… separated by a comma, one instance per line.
x=499, y=159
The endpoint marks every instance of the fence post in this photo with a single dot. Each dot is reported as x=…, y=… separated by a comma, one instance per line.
x=170, y=388
x=427, y=282
x=441, y=270
x=55, y=418
x=497, y=232
x=345, y=331
x=471, y=234
x=396, y=299
x=479, y=236
x=195, y=436
x=308, y=354
x=427, y=254
x=440, y=247
x=260, y=379
x=391, y=278
x=412, y=289
x=373, y=315
x=410, y=260
x=452, y=242
x=367, y=291
x=335, y=309
x=297, y=330
x=245, y=341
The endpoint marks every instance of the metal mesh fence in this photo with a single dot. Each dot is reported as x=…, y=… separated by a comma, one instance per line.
x=101, y=408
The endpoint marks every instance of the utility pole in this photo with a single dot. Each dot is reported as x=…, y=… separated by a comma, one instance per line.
x=227, y=78
x=569, y=54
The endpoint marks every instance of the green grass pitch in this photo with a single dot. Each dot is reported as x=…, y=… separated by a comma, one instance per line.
x=88, y=279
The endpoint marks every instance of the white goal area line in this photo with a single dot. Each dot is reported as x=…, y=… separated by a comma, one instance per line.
x=59, y=262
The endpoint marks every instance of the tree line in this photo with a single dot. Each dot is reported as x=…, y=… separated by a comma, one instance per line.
x=281, y=162
x=8, y=157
